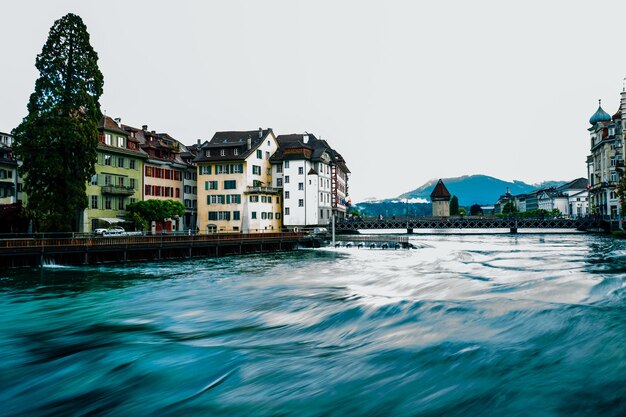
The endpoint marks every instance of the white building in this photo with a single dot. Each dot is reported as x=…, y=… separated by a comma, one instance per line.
x=313, y=178
x=10, y=185
x=570, y=199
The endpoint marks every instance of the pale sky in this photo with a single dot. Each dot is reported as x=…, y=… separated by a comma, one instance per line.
x=406, y=91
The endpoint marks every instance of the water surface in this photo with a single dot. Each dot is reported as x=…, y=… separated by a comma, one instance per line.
x=463, y=326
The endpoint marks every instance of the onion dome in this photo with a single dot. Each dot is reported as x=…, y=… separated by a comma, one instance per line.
x=600, y=115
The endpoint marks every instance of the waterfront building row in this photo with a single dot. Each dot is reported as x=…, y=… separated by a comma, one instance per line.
x=241, y=181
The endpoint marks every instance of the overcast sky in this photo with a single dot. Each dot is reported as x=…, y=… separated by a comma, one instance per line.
x=406, y=91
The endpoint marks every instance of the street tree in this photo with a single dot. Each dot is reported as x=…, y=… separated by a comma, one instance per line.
x=143, y=213
x=454, y=206
x=58, y=138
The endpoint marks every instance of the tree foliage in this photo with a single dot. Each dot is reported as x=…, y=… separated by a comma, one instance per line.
x=508, y=208
x=58, y=138
x=454, y=206
x=142, y=213
x=476, y=210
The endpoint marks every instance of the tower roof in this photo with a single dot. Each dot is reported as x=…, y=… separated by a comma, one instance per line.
x=600, y=115
x=440, y=192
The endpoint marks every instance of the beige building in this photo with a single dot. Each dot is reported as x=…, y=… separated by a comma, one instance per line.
x=440, y=198
x=234, y=183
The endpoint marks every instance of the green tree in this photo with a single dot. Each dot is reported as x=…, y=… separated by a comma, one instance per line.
x=508, y=208
x=58, y=138
x=476, y=210
x=454, y=206
x=143, y=213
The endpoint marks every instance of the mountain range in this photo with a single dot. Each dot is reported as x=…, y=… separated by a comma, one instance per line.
x=476, y=189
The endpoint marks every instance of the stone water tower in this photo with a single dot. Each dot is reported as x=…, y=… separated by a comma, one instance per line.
x=440, y=198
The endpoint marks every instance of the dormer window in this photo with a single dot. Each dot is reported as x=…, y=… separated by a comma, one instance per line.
x=222, y=152
x=236, y=151
x=207, y=153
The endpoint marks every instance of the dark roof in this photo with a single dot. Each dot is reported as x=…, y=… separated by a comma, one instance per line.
x=577, y=184
x=306, y=146
x=106, y=123
x=229, y=142
x=440, y=192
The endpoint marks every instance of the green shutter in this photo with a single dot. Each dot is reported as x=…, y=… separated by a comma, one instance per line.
x=208, y=199
x=206, y=185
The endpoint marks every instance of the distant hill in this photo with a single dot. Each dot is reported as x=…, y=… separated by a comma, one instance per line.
x=477, y=189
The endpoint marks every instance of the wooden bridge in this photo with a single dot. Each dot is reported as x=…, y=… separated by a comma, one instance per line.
x=472, y=222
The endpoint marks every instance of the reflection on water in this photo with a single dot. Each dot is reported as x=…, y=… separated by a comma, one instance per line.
x=465, y=325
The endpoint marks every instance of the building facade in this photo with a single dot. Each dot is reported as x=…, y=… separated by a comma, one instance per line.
x=605, y=164
x=313, y=178
x=235, y=192
x=118, y=180
x=10, y=186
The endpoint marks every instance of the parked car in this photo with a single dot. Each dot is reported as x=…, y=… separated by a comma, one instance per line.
x=114, y=231
x=99, y=231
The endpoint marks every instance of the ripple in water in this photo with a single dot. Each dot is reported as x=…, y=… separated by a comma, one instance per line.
x=463, y=326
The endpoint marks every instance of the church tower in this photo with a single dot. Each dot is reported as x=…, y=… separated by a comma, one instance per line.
x=440, y=198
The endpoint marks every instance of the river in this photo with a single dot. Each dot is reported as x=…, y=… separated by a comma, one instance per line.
x=496, y=325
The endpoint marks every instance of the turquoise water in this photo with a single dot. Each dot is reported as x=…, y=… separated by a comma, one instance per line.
x=463, y=326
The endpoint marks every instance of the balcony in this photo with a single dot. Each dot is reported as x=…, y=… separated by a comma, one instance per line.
x=117, y=190
x=262, y=190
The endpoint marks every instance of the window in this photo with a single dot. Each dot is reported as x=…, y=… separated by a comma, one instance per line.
x=107, y=160
x=222, y=152
x=256, y=170
x=321, y=214
x=219, y=215
x=259, y=154
x=132, y=164
x=286, y=179
x=210, y=185
x=120, y=141
x=279, y=168
x=107, y=180
x=267, y=154
x=205, y=170
x=207, y=153
x=263, y=215
x=236, y=169
x=236, y=151
x=279, y=182
x=120, y=162
x=148, y=190
x=286, y=164
x=230, y=185
x=120, y=204
x=286, y=195
x=236, y=215
x=270, y=216
x=300, y=186
x=94, y=201
x=300, y=170
x=301, y=203
x=107, y=202
x=120, y=181
x=221, y=169
x=94, y=180
x=107, y=139
x=277, y=216
x=254, y=198
x=254, y=214
x=235, y=199
x=286, y=211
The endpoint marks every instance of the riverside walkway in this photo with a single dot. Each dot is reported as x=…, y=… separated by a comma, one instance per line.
x=84, y=250
x=471, y=222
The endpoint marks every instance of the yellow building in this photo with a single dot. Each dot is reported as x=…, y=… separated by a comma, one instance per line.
x=234, y=183
x=118, y=180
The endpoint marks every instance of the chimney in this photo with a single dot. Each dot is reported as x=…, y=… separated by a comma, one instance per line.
x=144, y=128
x=305, y=138
x=260, y=132
x=249, y=142
x=199, y=142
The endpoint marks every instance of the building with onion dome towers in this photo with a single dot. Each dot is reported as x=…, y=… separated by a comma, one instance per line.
x=440, y=198
x=605, y=164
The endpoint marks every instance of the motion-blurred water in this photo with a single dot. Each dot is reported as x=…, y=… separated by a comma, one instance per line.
x=463, y=326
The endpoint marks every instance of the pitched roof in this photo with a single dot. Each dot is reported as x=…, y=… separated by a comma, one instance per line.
x=107, y=123
x=234, y=145
x=440, y=192
x=577, y=184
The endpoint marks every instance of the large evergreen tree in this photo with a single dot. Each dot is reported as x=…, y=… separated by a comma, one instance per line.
x=454, y=206
x=58, y=138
